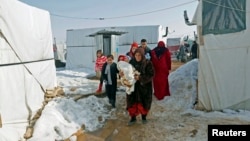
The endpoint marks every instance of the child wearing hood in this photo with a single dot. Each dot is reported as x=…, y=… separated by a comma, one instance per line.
x=100, y=60
x=131, y=52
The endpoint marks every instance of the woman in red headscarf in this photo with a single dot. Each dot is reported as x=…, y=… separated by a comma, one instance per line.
x=161, y=59
x=131, y=52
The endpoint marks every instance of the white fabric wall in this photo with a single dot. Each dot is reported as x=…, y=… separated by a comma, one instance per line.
x=28, y=31
x=224, y=66
x=80, y=57
x=98, y=42
x=114, y=46
x=61, y=50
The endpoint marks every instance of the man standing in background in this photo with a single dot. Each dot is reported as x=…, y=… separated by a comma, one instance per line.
x=147, y=50
x=194, y=50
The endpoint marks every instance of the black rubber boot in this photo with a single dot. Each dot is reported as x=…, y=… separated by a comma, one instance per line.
x=132, y=121
x=112, y=102
x=144, y=119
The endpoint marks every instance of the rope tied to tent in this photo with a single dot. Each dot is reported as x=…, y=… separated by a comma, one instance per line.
x=19, y=58
x=48, y=95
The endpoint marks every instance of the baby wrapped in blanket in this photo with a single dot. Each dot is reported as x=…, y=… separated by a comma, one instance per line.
x=127, y=79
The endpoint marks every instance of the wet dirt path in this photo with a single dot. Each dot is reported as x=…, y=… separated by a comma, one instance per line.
x=175, y=126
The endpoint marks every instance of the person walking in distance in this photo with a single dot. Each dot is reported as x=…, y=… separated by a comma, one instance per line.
x=100, y=60
x=194, y=50
x=161, y=59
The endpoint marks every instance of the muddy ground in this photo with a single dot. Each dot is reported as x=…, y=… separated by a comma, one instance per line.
x=176, y=126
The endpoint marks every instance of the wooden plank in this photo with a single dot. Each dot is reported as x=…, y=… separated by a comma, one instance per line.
x=77, y=97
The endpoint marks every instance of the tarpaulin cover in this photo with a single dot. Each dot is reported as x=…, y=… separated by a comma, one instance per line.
x=224, y=66
x=26, y=65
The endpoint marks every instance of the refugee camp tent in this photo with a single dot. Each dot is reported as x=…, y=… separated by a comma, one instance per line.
x=26, y=65
x=61, y=51
x=82, y=46
x=59, y=54
x=224, y=54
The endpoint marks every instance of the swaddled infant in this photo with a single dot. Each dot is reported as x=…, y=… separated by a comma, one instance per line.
x=128, y=78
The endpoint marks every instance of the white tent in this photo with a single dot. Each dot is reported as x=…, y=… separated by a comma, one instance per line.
x=61, y=51
x=78, y=42
x=26, y=65
x=224, y=54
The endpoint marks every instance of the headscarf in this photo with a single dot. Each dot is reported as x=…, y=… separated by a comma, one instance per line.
x=160, y=48
x=134, y=44
x=141, y=51
x=122, y=58
x=139, y=64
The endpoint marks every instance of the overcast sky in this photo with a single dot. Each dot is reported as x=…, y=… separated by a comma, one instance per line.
x=86, y=14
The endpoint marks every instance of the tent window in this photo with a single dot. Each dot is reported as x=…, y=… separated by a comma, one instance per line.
x=223, y=16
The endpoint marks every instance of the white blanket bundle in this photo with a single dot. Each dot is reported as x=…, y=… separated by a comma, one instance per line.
x=128, y=78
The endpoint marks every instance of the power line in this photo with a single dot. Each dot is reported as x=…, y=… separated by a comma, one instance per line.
x=152, y=11
x=69, y=17
x=126, y=16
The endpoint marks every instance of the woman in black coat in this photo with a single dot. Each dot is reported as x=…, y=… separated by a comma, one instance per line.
x=139, y=101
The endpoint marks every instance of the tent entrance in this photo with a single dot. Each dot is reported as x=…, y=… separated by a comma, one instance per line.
x=106, y=41
x=106, y=44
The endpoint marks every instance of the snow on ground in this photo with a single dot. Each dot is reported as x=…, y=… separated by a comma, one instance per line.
x=172, y=118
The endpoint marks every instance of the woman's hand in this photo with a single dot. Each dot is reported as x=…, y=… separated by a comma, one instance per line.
x=136, y=77
x=121, y=73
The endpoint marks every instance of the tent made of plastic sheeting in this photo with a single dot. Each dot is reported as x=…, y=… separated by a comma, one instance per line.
x=27, y=65
x=224, y=54
x=61, y=51
x=81, y=47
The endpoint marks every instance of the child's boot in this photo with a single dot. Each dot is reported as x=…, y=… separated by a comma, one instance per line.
x=99, y=90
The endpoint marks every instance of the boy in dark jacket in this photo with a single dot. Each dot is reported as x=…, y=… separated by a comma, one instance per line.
x=109, y=73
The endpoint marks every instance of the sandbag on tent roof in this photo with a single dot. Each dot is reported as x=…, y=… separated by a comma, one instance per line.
x=27, y=65
x=224, y=58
